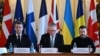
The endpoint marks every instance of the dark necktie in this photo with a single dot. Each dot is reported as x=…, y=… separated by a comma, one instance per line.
x=18, y=39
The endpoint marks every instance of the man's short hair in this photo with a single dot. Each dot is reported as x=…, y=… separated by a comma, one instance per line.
x=82, y=27
x=52, y=24
x=18, y=22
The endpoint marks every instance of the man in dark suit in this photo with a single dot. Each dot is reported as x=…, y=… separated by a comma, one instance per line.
x=18, y=39
x=83, y=41
x=52, y=38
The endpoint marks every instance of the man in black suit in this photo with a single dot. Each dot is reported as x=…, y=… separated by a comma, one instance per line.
x=83, y=41
x=18, y=39
x=52, y=38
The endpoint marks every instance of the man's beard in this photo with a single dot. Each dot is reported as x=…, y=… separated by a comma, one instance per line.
x=83, y=36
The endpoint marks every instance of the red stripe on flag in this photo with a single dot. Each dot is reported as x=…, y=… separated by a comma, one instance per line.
x=9, y=27
x=58, y=27
x=53, y=16
x=92, y=5
x=92, y=24
x=50, y=20
x=92, y=28
x=7, y=23
x=52, y=7
x=2, y=39
x=6, y=8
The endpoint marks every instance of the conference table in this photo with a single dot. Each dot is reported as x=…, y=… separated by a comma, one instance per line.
x=49, y=54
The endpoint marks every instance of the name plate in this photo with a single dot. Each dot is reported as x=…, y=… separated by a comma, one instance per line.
x=81, y=50
x=3, y=50
x=49, y=50
x=21, y=50
x=97, y=50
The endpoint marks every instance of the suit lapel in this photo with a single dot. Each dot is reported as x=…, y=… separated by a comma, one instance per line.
x=15, y=37
x=49, y=41
x=21, y=38
x=55, y=40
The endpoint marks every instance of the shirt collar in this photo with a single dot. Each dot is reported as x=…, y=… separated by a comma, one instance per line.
x=18, y=34
x=52, y=36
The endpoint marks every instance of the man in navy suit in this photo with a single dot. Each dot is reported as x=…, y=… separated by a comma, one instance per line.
x=52, y=38
x=18, y=39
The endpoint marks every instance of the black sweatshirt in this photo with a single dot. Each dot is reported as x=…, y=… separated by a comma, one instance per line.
x=83, y=42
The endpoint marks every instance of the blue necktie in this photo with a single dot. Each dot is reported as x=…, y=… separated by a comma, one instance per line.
x=52, y=42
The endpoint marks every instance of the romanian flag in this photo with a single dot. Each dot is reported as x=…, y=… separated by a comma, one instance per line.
x=80, y=20
x=68, y=28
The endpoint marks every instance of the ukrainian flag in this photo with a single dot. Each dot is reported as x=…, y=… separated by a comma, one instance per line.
x=80, y=20
x=68, y=28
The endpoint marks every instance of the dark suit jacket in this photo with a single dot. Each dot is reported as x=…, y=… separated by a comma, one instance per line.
x=25, y=42
x=45, y=40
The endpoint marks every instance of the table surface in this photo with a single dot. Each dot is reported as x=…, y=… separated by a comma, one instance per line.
x=48, y=54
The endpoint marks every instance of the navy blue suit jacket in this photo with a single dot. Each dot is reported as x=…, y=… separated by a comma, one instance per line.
x=25, y=42
x=45, y=40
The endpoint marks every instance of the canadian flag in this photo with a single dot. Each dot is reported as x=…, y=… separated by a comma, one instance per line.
x=92, y=24
x=53, y=18
x=6, y=24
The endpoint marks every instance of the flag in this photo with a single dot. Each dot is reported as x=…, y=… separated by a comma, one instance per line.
x=6, y=24
x=68, y=27
x=30, y=23
x=43, y=21
x=92, y=24
x=80, y=20
x=53, y=18
x=18, y=14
